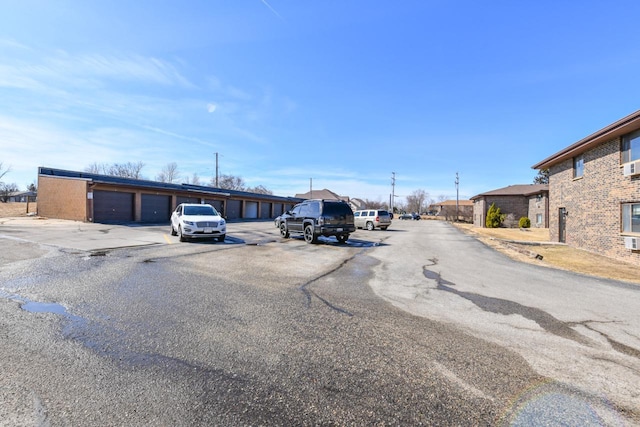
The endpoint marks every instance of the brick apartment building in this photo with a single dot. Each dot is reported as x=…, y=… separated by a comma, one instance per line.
x=83, y=196
x=528, y=200
x=594, y=191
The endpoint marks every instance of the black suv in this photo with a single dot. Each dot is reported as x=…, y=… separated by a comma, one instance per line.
x=313, y=218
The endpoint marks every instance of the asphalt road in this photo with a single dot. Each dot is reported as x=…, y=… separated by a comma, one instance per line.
x=416, y=325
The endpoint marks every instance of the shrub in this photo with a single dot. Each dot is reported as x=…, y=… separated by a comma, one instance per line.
x=525, y=222
x=494, y=217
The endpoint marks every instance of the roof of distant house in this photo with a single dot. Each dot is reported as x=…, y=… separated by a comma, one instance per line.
x=321, y=194
x=516, y=190
x=614, y=130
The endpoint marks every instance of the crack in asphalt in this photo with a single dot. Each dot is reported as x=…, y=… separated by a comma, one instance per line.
x=308, y=293
x=546, y=321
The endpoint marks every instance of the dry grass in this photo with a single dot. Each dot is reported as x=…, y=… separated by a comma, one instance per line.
x=553, y=255
x=16, y=209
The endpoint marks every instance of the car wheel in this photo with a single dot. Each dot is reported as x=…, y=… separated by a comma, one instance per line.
x=173, y=231
x=309, y=235
x=383, y=228
x=180, y=235
x=370, y=226
x=283, y=230
x=221, y=237
x=342, y=238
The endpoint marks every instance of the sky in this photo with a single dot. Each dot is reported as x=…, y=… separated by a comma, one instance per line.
x=293, y=95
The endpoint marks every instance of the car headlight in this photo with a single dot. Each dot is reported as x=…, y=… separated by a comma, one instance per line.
x=190, y=223
x=222, y=222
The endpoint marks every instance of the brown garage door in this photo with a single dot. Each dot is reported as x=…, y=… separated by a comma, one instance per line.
x=155, y=208
x=112, y=206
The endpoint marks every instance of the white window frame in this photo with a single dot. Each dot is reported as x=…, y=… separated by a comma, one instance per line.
x=628, y=212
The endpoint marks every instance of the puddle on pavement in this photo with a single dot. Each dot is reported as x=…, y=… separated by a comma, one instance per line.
x=38, y=307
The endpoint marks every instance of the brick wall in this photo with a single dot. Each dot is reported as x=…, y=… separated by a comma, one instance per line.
x=539, y=205
x=593, y=202
x=62, y=198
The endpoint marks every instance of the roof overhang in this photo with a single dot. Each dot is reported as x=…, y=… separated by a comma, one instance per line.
x=615, y=130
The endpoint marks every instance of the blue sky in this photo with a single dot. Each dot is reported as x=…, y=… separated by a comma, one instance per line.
x=343, y=92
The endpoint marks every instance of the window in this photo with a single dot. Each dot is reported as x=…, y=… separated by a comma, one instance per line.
x=631, y=218
x=578, y=166
x=538, y=218
x=631, y=147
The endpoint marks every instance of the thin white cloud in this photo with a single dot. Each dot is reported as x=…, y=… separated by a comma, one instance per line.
x=272, y=9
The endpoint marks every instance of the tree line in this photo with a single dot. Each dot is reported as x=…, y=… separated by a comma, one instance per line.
x=170, y=173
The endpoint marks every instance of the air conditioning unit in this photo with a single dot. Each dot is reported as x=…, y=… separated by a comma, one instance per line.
x=632, y=168
x=632, y=243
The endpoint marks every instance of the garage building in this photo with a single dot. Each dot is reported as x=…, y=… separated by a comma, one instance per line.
x=83, y=196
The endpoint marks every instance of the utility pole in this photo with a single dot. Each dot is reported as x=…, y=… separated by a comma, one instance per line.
x=217, y=170
x=457, y=197
x=393, y=190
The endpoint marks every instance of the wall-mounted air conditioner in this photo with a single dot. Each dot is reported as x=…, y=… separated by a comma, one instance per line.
x=632, y=168
x=632, y=243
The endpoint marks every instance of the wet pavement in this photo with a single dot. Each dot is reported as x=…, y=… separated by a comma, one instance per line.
x=418, y=325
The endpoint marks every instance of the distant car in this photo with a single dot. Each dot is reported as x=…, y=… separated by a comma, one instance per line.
x=412, y=215
x=372, y=218
x=314, y=218
x=195, y=221
x=280, y=218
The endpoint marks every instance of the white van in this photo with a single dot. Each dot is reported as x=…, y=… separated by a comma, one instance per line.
x=372, y=218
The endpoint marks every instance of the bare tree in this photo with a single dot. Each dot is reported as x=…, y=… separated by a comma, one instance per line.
x=169, y=173
x=195, y=180
x=375, y=204
x=6, y=190
x=229, y=182
x=415, y=201
x=124, y=170
x=98, y=168
x=260, y=189
x=127, y=170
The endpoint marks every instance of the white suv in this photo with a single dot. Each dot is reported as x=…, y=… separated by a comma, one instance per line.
x=372, y=218
x=191, y=220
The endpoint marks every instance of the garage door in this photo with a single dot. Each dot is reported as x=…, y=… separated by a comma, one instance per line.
x=252, y=210
x=155, y=208
x=112, y=206
x=265, y=210
x=218, y=204
x=234, y=209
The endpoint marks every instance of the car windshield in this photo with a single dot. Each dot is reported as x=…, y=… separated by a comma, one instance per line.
x=200, y=210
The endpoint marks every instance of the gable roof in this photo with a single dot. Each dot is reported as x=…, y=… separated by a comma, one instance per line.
x=524, y=190
x=320, y=194
x=614, y=130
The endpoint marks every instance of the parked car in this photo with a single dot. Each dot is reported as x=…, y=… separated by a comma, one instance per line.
x=191, y=221
x=314, y=218
x=411, y=215
x=280, y=218
x=372, y=218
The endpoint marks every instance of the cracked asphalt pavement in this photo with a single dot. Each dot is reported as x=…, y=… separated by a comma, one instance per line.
x=416, y=325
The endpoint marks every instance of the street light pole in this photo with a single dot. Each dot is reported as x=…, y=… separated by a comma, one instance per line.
x=457, y=197
x=393, y=190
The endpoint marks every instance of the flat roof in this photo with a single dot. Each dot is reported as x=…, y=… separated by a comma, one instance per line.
x=156, y=185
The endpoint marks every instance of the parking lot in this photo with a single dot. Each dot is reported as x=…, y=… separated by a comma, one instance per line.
x=419, y=324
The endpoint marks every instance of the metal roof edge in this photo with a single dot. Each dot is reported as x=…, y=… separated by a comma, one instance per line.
x=625, y=125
